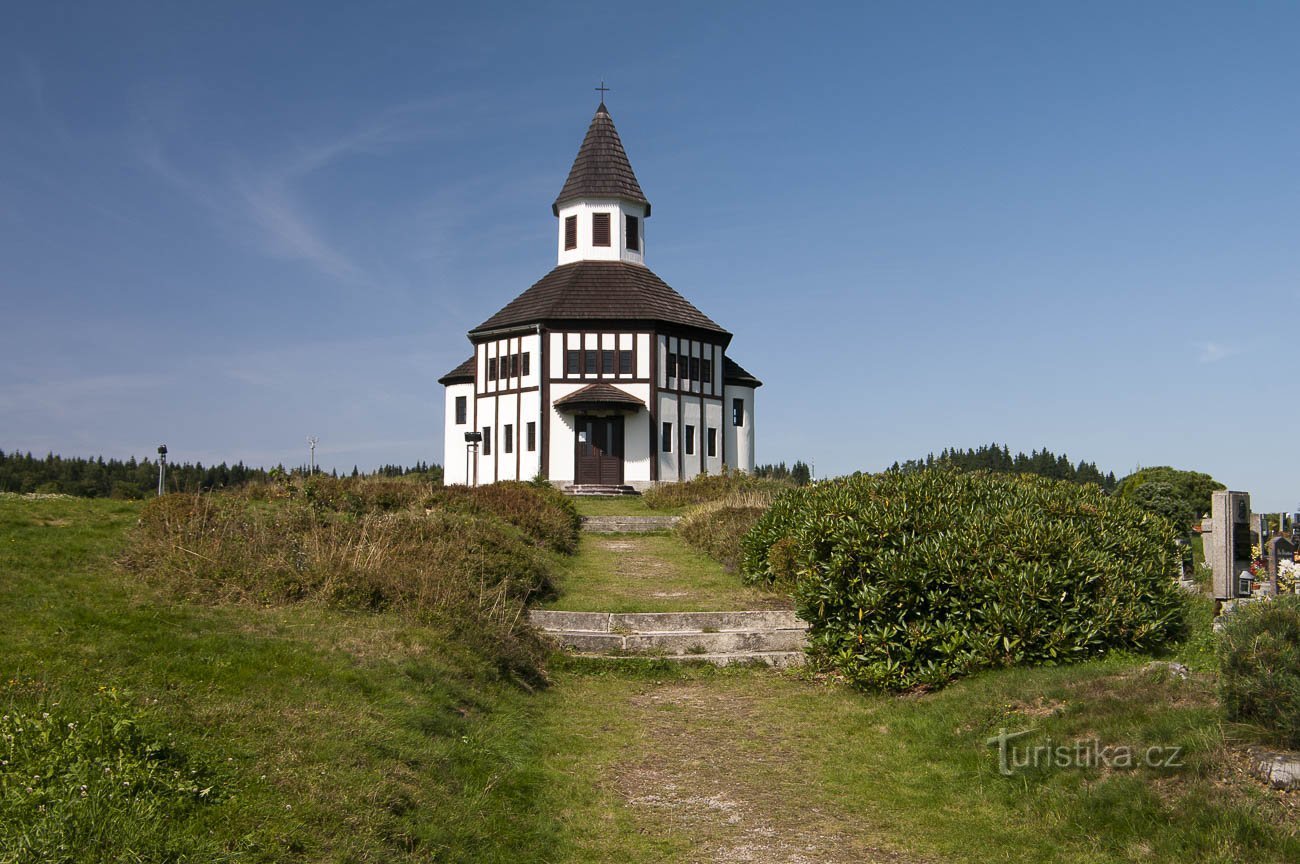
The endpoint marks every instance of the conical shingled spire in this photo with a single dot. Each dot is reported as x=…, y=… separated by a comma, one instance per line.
x=601, y=169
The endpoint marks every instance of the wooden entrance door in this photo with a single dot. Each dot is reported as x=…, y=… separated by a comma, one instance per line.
x=600, y=451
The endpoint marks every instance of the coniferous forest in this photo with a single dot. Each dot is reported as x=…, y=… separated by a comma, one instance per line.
x=132, y=478
x=997, y=457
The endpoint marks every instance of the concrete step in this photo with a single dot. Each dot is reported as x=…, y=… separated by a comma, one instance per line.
x=661, y=622
x=775, y=659
x=589, y=489
x=774, y=637
x=628, y=524
x=681, y=641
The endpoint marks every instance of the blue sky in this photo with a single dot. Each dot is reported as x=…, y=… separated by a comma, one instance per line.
x=1061, y=225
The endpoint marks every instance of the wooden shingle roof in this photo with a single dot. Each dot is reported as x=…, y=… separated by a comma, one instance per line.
x=734, y=373
x=601, y=169
x=599, y=291
x=599, y=395
x=462, y=374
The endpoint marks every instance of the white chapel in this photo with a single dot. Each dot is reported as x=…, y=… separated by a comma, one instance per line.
x=599, y=377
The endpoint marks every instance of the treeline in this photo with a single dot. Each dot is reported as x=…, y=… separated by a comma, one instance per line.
x=997, y=457
x=798, y=473
x=132, y=478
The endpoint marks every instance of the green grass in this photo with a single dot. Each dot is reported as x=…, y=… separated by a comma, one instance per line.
x=328, y=736
x=660, y=763
x=618, y=505
x=651, y=573
x=332, y=736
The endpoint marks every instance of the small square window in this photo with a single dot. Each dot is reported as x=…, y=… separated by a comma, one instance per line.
x=607, y=362
x=713, y=442
x=461, y=410
x=599, y=229
x=573, y=362
x=689, y=443
x=625, y=362
x=666, y=438
x=570, y=232
x=633, y=234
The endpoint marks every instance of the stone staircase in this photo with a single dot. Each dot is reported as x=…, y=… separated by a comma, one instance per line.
x=591, y=489
x=628, y=524
x=774, y=638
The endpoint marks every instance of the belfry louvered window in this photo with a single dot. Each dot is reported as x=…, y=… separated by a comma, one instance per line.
x=600, y=229
x=570, y=232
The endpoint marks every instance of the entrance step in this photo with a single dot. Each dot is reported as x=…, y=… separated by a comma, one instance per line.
x=594, y=489
x=774, y=637
x=628, y=524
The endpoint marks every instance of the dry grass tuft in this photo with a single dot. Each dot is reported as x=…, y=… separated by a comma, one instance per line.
x=471, y=559
x=717, y=527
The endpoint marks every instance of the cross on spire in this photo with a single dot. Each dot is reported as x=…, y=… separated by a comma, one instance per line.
x=603, y=90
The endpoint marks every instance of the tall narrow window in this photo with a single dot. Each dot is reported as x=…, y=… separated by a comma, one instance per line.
x=666, y=439
x=508, y=438
x=713, y=442
x=607, y=362
x=737, y=412
x=591, y=362
x=625, y=362
x=573, y=362
x=514, y=365
x=599, y=229
x=487, y=440
x=689, y=435
x=706, y=370
x=492, y=368
x=525, y=363
x=460, y=410
x=570, y=232
x=532, y=436
x=633, y=234
x=695, y=368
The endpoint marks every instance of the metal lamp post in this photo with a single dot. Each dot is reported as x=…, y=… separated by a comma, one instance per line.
x=472, y=440
x=162, y=468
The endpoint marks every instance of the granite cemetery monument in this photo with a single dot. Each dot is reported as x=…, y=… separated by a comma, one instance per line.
x=1227, y=543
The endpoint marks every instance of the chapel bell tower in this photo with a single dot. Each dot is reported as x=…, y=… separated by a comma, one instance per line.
x=601, y=209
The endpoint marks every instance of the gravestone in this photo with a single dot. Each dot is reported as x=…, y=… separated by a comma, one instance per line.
x=1279, y=549
x=1227, y=543
x=1259, y=531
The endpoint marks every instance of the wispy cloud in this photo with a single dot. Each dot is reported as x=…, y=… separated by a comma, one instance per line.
x=33, y=81
x=1213, y=352
x=64, y=396
x=264, y=200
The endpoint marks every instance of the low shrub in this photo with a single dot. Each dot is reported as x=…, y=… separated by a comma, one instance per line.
x=471, y=571
x=1259, y=664
x=709, y=487
x=542, y=512
x=717, y=528
x=91, y=786
x=913, y=579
